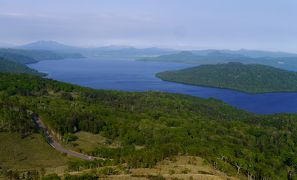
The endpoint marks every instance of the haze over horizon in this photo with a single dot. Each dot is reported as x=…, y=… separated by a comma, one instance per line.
x=192, y=24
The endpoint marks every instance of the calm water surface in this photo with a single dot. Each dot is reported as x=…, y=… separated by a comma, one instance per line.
x=129, y=75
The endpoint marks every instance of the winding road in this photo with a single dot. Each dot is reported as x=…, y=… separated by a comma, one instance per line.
x=56, y=145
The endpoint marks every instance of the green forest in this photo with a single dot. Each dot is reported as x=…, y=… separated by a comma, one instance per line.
x=250, y=78
x=14, y=67
x=165, y=125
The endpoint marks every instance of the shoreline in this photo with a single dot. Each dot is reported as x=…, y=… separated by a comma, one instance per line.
x=235, y=90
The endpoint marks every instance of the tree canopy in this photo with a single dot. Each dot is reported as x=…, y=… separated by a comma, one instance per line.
x=163, y=124
x=250, y=78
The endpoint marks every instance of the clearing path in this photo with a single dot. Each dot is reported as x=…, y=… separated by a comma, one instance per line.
x=55, y=144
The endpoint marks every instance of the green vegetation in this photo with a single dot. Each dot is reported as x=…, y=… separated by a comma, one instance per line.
x=14, y=67
x=16, y=57
x=31, y=152
x=87, y=142
x=164, y=125
x=251, y=78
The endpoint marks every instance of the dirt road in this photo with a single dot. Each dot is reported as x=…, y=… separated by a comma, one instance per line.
x=55, y=144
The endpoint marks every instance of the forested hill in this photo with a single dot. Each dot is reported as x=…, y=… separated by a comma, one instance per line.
x=33, y=56
x=162, y=124
x=14, y=67
x=15, y=60
x=251, y=78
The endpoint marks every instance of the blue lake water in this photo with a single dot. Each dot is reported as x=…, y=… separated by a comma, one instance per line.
x=129, y=75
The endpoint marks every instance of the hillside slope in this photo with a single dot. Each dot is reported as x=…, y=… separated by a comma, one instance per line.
x=30, y=152
x=33, y=56
x=14, y=67
x=250, y=78
x=142, y=129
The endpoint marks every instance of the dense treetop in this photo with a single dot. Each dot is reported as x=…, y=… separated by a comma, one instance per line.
x=251, y=78
x=14, y=67
x=163, y=124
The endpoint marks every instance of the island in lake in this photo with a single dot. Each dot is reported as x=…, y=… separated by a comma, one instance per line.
x=250, y=78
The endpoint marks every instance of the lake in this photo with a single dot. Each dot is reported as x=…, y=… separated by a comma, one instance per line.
x=129, y=75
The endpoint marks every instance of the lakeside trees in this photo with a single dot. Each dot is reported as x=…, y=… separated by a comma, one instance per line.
x=9, y=66
x=250, y=78
x=162, y=124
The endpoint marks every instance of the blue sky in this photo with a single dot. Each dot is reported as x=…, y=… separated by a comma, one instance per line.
x=187, y=24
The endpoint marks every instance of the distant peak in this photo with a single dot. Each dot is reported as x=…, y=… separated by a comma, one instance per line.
x=46, y=45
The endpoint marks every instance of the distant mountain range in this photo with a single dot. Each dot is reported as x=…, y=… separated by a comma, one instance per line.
x=245, y=52
x=276, y=59
x=15, y=60
x=104, y=52
x=31, y=56
x=49, y=46
x=209, y=56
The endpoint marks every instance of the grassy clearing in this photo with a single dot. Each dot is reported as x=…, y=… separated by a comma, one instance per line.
x=32, y=152
x=87, y=142
x=28, y=153
x=181, y=167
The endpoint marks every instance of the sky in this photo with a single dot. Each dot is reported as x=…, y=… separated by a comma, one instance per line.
x=180, y=24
